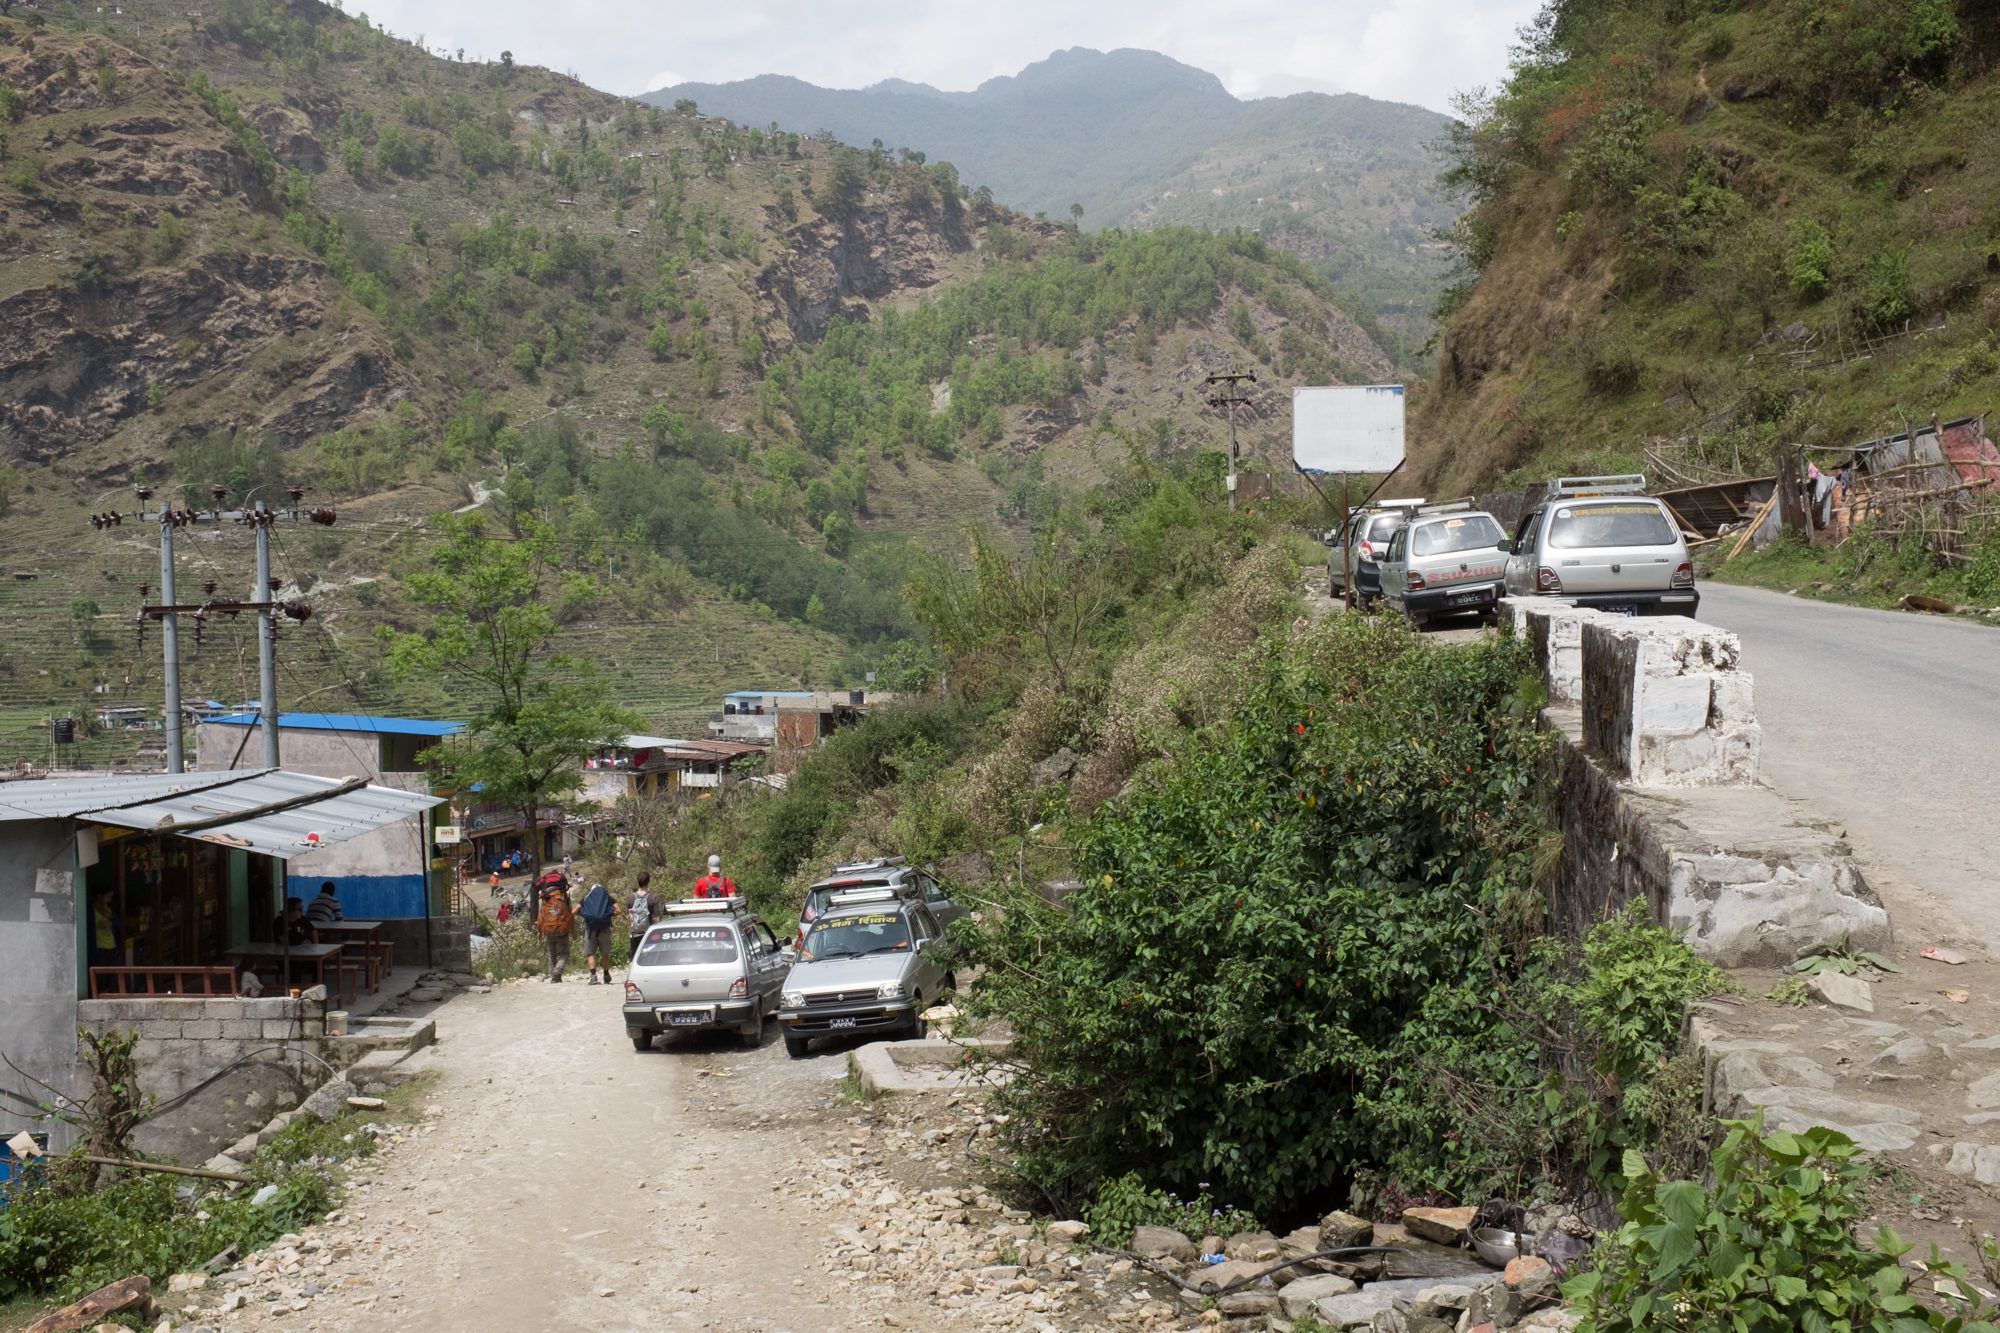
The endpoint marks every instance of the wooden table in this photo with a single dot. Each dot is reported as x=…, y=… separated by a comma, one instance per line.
x=318, y=957
x=365, y=938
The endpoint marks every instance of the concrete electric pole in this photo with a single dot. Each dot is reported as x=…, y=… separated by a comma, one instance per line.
x=1229, y=400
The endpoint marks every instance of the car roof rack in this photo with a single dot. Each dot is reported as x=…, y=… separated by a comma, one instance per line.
x=1407, y=502
x=1573, y=488
x=882, y=894
x=1466, y=506
x=697, y=906
x=873, y=863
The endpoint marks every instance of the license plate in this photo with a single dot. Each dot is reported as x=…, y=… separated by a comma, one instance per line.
x=688, y=1019
x=1619, y=610
x=840, y=1022
x=1469, y=599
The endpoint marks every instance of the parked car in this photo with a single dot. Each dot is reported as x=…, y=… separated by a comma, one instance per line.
x=1368, y=530
x=707, y=965
x=893, y=872
x=1447, y=560
x=1603, y=542
x=871, y=963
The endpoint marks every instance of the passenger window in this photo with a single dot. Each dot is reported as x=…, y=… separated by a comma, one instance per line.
x=933, y=891
x=1524, y=541
x=753, y=942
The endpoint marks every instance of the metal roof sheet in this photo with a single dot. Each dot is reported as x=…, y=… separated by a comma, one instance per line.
x=360, y=722
x=268, y=811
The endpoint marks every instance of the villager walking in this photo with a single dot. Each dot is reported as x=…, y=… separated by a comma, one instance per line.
x=640, y=913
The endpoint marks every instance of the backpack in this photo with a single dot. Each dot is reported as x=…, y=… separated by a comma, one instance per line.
x=641, y=911
x=597, y=907
x=556, y=918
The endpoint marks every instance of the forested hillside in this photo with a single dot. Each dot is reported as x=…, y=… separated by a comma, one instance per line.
x=1134, y=138
x=1699, y=230
x=744, y=376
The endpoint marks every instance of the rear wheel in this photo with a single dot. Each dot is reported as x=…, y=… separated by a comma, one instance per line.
x=796, y=1046
x=753, y=1036
x=642, y=1042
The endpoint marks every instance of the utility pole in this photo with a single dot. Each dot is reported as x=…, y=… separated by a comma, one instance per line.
x=169, y=610
x=1229, y=400
x=170, y=641
x=267, y=636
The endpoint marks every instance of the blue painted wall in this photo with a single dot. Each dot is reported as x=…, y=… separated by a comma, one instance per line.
x=366, y=897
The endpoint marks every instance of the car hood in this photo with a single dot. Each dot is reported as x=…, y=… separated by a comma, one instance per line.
x=847, y=973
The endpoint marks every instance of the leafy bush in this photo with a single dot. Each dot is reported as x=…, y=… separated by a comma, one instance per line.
x=1276, y=925
x=1769, y=1249
x=1888, y=291
x=1808, y=258
x=1637, y=983
x=1125, y=1203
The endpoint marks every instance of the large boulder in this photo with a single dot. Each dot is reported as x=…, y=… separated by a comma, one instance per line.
x=330, y=1100
x=1162, y=1243
x=1441, y=1226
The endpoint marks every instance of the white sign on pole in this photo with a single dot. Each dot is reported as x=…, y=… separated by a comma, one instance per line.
x=1348, y=428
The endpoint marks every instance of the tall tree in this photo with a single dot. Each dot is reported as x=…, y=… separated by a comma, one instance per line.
x=537, y=713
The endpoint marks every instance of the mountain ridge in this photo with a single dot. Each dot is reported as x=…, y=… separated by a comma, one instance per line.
x=1137, y=138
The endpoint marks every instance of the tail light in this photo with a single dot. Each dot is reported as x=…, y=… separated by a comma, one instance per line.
x=739, y=989
x=1546, y=580
x=1415, y=581
x=1684, y=574
x=633, y=995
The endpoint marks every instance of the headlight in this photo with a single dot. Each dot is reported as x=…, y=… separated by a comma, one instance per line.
x=792, y=999
x=891, y=990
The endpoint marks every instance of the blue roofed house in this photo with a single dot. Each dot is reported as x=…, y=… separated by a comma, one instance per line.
x=392, y=874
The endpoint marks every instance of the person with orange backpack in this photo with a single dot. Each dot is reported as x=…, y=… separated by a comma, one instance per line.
x=555, y=920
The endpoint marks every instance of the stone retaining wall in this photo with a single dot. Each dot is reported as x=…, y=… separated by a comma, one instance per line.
x=1659, y=799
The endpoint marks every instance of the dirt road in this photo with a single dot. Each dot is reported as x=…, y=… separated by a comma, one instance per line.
x=566, y=1181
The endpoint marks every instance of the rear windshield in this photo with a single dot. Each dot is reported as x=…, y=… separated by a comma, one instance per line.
x=1474, y=532
x=1382, y=527
x=1574, y=527
x=687, y=946
x=819, y=895
x=858, y=934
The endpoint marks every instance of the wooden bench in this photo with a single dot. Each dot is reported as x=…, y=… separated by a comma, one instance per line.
x=110, y=982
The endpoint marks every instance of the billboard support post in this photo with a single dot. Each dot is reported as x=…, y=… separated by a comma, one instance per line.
x=1344, y=430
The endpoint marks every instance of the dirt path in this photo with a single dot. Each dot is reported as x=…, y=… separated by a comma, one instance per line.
x=565, y=1181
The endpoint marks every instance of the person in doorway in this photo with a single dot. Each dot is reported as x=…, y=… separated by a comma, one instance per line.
x=325, y=909
x=1846, y=476
x=556, y=921
x=715, y=884
x=598, y=910
x=292, y=926
x=105, y=950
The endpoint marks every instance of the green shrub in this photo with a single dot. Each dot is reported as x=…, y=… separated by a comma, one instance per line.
x=1276, y=925
x=1808, y=258
x=1637, y=983
x=1888, y=291
x=1769, y=1249
x=1125, y=1203
x=1982, y=576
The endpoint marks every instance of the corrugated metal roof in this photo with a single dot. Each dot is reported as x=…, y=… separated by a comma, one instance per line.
x=313, y=812
x=61, y=798
x=360, y=722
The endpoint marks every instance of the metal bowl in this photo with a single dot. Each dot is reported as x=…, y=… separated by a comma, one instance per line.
x=1495, y=1246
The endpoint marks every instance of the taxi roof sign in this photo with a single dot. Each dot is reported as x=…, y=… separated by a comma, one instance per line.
x=1575, y=488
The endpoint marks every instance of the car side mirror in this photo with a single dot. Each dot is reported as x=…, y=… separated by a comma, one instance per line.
x=1506, y=547
x=789, y=954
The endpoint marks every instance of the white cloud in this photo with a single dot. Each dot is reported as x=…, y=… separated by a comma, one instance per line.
x=1405, y=50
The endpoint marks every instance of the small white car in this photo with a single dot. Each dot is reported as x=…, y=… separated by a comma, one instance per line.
x=1447, y=560
x=1602, y=542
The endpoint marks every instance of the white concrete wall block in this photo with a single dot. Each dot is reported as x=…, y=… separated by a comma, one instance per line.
x=1667, y=703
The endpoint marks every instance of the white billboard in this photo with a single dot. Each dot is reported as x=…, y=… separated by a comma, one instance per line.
x=1348, y=428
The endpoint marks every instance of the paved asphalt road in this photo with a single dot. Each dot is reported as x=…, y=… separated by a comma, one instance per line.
x=1888, y=722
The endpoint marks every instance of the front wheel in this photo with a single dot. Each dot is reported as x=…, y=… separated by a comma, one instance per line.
x=642, y=1042
x=796, y=1046
x=918, y=1027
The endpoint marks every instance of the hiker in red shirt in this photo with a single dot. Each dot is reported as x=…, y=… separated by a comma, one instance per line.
x=715, y=884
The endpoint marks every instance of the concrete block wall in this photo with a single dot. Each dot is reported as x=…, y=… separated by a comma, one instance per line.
x=450, y=943
x=1666, y=702
x=183, y=1041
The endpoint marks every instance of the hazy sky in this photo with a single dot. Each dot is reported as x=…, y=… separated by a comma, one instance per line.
x=1406, y=50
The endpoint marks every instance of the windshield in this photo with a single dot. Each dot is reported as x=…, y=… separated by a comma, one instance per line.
x=687, y=946
x=1475, y=532
x=853, y=936
x=1583, y=526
